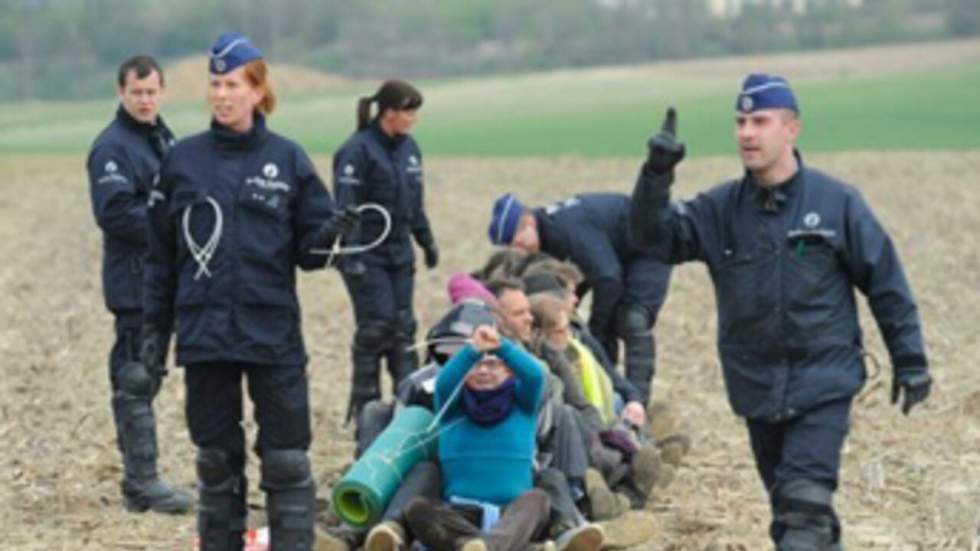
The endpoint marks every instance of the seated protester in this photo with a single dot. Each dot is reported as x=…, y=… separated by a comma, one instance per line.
x=444, y=339
x=626, y=460
x=462, y=286
x=491, y=390
x=538, y=281
x=564, y=429
x=561, y=440
x=502, y=264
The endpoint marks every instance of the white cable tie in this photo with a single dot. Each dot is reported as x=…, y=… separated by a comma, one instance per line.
x=440, y=340
x=203, y=255
x=336, y=249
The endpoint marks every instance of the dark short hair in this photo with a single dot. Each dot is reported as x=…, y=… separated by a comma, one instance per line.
x=142, y=65
x=498, y=286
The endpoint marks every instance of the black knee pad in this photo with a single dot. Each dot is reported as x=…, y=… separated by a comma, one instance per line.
x=135, y=380
x=803, y=516
x=374, y=335
x=214, y=468
x=284, y=469
x=632, y=319
x=405, y=324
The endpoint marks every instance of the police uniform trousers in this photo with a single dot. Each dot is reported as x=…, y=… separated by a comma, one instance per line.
x=645, y=282
x=798, y=460
x=382, y=299
x=214, y=407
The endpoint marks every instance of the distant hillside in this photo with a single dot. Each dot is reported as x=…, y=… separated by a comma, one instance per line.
x=902, y=97
x=187, y=79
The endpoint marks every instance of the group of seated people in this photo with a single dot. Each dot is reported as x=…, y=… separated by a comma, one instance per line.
x=539, y=436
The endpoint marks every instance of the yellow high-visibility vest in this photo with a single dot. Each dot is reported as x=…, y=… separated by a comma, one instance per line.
x=595, y=382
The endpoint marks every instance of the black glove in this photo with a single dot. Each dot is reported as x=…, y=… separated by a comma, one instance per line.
x=664, y=149
x=340, y=224
x=915, y=381
x=152, y=348
x=431, y=255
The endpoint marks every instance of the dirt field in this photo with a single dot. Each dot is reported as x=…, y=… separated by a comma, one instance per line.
x=907, y=483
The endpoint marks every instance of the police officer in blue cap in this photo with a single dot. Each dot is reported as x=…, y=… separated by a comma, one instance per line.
x=123, y=162
x=785, y=245
x=628, y=287
x=236, y=210
x=381, y=165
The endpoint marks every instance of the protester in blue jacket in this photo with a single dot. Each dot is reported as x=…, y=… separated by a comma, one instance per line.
x=628, y=288
x=785, y=246
x=381, y=165
x=122, y=165
x=236, y=210
x=490, y=391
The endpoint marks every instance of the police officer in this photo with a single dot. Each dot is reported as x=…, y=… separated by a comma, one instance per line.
x=785, y=245
x=123, y=162
x=237, y=208
x=628, y=288
x=381, y=164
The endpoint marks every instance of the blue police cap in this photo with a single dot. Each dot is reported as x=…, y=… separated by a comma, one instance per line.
x=763, y=91
x=231, y=51
x=506, y=217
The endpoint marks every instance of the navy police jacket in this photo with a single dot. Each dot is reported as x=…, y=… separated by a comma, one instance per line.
x=784, y=262
x=591, y=230
x=122, y=165
x=373, y=167
x=231, y=218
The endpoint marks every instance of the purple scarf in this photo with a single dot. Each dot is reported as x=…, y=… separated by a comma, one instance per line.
x=487, y=407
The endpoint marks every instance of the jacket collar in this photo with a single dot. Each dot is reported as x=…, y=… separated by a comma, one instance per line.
x=773, y=198
x=388, y=142
x=226, y=138
x=127, y=120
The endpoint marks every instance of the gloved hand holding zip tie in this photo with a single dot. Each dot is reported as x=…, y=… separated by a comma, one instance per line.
x=342, y=224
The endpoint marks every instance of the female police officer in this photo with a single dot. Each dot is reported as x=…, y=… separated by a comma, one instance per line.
x=382, y=164
x=236, y=209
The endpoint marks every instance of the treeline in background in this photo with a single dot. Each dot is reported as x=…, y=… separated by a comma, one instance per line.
x=68, y=49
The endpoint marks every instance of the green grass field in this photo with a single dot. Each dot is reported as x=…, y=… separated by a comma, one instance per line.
x=588, y=113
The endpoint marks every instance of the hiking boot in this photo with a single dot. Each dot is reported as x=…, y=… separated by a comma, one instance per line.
x=155, y=495
x=585, y=537
x=475, y=544
x=646, y=468
x=605, y=503
x=674, y=447
x=385, y=536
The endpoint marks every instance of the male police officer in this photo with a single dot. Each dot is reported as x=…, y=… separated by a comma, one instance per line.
x=785, y=245
x=122, y=166
x=628, y=288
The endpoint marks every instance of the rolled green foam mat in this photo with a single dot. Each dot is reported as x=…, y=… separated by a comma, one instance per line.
x=366, y=488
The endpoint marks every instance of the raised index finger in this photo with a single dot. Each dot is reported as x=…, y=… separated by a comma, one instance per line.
x=670, y=121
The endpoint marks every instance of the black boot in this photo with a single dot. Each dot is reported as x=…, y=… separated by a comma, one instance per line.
x=804, y=517
x=289, y=497
x=142, y=488
x=221, y=512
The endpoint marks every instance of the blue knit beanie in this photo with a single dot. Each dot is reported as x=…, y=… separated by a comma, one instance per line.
x=505, y=219
x=763, y=91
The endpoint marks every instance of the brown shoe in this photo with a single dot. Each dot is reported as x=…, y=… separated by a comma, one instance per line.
x=674, y=447
x=647, y=468
x=585, y=537
x=385, y=536
x=605, y=503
